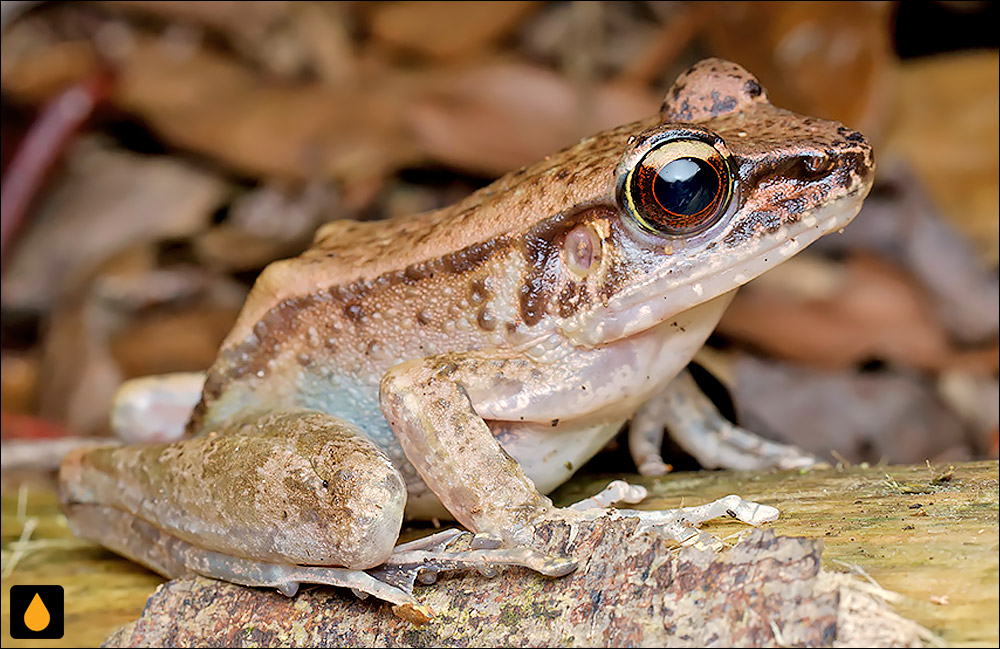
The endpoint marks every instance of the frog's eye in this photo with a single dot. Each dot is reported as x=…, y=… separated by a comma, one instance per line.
x=679, y=187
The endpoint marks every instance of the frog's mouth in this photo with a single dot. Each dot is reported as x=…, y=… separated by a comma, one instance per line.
x=662, y=296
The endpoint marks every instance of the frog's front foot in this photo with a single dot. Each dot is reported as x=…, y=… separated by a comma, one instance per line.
x=698, y=427
x=455, y=550
x=681, y=524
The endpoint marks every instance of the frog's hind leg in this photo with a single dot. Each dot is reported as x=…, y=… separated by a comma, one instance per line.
x=294, y=487
x=698, y=427
x=146, y=544
x=270, y=501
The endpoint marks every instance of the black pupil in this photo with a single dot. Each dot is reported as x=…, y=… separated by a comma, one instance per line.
x=686, y=186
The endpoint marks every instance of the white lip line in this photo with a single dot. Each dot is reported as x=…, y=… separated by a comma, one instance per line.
x=823, y=227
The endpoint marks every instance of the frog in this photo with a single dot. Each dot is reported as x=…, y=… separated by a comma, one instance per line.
x=466, y=361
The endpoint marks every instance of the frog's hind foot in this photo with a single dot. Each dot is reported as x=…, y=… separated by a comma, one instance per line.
x=287, y=578
x=423, y=559
x=393, y=581
x=172, y=557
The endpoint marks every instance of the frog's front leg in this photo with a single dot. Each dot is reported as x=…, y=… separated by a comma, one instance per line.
x=698, y=428
x=431, y=405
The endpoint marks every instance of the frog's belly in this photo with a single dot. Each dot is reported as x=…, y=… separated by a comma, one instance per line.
x=551, y=455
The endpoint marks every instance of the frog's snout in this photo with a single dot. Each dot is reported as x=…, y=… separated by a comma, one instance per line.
x=846, y=168
x=856, y=157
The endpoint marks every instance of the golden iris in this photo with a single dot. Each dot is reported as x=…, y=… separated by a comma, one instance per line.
x=679, y=187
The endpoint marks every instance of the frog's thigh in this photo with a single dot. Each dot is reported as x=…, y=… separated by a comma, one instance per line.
x=429, y=405
x=698, y=428
x=292, y=487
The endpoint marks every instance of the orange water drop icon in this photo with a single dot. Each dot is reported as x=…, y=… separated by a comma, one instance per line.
x=36, y=617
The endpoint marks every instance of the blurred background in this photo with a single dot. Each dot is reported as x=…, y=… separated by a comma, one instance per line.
x=157, y=155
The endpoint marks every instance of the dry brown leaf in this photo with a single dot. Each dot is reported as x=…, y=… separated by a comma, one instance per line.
x=245, y=22
x=946, y=126
x=870, y=310
x=494, y=118
x=18, y=382
x=673, y=37
x=235, y=249
x=829, y=59
x=79, y=377
x=176, y=341
x=125, y=301
x=324, y=33
x=899, y=223
x=862, y=416
x=488, y=119
x=264, y=224
x=976, y=399
x=446, y=30
x=40, y=70
x=105, y=201
x=287, y=39
x=208, y=103
x=78, y=374
x=588, y=40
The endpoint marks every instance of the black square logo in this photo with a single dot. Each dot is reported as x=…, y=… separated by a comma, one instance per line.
x=36, y=612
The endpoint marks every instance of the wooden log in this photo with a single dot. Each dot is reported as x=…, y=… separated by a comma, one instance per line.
x=631, y=589
x=927, y=533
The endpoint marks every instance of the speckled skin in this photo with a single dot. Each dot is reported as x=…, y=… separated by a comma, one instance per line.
x=472, y=346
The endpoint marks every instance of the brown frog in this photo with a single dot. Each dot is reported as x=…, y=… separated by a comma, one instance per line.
x=468, y=360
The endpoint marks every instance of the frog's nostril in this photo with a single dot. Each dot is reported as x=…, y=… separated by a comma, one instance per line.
x=811, y=167
x=817, y=164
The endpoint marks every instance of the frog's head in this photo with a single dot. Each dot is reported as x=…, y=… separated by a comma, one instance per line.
x=721, y=188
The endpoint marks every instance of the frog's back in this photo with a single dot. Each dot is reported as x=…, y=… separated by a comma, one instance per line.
x=349, y=253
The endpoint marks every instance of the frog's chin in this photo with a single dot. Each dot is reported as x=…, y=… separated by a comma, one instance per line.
x=664, y=296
